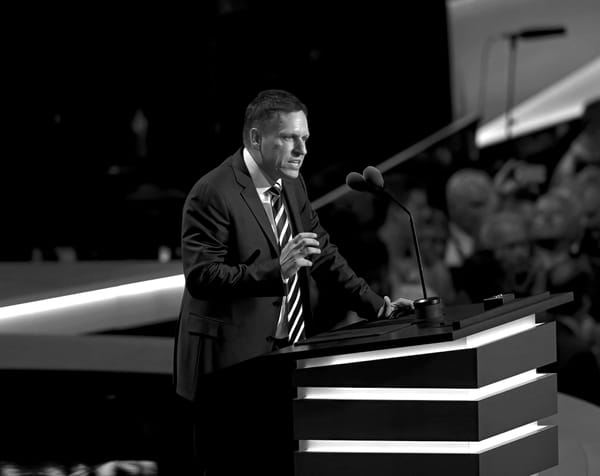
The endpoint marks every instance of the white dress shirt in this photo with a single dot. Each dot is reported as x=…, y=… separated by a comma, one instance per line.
x=262, y=185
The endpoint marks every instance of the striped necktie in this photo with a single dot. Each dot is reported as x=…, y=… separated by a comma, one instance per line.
x=293, y=304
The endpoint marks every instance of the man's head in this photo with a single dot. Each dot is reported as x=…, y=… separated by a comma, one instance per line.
x=557, y=219
x=275, y=133
x=506, y=235
x=470, y=196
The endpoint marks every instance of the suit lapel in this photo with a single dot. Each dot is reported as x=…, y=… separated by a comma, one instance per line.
x=250, y=197
x=292, y=201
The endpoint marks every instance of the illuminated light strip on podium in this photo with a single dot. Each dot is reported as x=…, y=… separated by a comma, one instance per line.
x=460, y=447
x=90, y=297
x=475, y=340
x=422, y=394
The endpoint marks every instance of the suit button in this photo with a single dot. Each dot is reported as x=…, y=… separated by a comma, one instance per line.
x=277, y=302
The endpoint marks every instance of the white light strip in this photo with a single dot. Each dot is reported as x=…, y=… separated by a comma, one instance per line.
x=476, y=340
x=433, y=447
x=500, y=332
x=88, y=297
x=565, y=100
x=422, y=394
x=495, y=131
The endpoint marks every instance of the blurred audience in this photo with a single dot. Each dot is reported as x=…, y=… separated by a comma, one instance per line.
x=109, y=468
x=395, y=229
x=577, y=336
x=589, y=184
x=470, y=196
x=404, y=275
x=518, y=184
x=506, y=258
x=584, y=149
x=556, y=226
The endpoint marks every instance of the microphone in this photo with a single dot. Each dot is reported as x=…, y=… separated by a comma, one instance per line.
x=357, y=182
x=427, y=309
x=539, y=32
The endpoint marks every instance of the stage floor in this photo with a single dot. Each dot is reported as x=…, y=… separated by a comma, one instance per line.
x=87, y=297
x=27, y=281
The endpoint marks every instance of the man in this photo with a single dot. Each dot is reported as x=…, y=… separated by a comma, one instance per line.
x=247, y=261
x=470, y=196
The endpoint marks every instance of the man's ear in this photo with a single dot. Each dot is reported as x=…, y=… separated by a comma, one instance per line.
x=255, y=137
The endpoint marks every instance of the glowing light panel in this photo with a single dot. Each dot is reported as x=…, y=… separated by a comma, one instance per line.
x=460, y=447
x=476, y=340
x=454, y=394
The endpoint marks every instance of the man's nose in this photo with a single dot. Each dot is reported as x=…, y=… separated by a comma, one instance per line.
x=300, y=147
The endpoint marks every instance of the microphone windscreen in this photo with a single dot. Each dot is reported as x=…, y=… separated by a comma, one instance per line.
x=356, y=181
x=373, y=176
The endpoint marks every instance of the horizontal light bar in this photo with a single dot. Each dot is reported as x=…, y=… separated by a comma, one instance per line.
x=95, y=296
x=476, y=340
x=426, y=394
x=563, y=101
x=433, y=447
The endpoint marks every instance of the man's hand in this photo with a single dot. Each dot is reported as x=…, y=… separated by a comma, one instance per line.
x=400, y=305
x=294, y=254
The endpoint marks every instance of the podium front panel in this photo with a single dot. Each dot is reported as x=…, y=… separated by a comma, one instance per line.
x=384, y=414
x=534, y=452
x=460, y=366
x=468, y=406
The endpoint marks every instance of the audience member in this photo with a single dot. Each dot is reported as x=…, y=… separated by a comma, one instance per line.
x=396, y=233
x=518, y=185
x=433, y=236
x=395, y=230
x=585, y=148
x=470, y=196
x=404, y=275
x=556, y=227
x=506, y=258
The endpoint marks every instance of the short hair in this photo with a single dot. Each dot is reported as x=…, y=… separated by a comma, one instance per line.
x=469, y=185
x=267, y=104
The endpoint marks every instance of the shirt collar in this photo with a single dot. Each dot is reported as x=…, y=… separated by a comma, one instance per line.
x=260, y=180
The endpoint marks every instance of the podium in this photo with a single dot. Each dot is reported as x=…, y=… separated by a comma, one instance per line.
x=399, y=397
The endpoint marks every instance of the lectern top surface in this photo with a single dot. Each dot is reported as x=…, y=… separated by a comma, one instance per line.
x=459, y=321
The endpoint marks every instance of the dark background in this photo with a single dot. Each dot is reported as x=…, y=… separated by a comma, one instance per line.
x=375, y=78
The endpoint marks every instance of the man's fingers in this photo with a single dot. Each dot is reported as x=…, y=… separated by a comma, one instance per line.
x=304, y=234
x=302, y=262
x=403, y=302
x=306, y=242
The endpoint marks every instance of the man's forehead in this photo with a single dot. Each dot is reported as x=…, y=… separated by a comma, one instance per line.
x=289, y=121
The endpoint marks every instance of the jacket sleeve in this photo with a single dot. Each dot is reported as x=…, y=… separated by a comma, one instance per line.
x=331, y=270
x=212, y=264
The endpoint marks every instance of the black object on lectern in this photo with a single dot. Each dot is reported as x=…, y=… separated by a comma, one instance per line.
x=392, y=397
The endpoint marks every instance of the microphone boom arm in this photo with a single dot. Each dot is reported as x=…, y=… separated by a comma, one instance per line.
x=429, y=310
x=414, y=237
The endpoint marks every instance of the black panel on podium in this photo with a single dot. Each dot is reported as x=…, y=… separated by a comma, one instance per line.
x=399, y=397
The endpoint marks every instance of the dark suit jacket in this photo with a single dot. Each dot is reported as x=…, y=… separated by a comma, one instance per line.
x=234, y=289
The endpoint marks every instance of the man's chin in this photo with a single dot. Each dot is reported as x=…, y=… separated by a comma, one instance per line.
x=291, y=174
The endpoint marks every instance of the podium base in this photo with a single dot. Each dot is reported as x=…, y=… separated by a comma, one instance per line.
x=430, y=311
